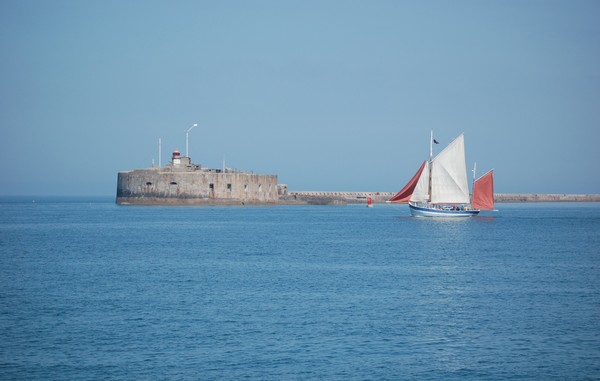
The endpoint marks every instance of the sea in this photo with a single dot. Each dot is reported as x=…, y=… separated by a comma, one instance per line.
x=90, y=290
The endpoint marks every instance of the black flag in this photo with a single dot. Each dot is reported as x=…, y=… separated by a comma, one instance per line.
x=435, y=141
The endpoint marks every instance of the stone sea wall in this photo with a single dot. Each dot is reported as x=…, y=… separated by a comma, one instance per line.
x=333, y=198
x=342, y=198
x=514, y=197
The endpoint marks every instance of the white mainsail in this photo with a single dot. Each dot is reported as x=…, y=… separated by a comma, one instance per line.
x=449, y=175
x=421, y=192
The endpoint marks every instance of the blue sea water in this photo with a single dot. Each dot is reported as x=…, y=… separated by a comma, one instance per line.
x=92, y=290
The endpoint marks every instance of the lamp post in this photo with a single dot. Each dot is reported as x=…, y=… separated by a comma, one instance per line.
x=187, y=133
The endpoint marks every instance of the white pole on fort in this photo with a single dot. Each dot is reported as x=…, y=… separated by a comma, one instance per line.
x=187, y=138
x=159, y=152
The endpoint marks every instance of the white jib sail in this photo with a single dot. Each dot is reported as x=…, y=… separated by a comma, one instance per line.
x=421, y=193
x=449, y=174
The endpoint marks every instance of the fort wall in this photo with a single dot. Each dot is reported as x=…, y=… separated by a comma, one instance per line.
x=197, y=186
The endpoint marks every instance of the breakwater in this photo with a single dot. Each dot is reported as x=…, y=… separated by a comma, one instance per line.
x=332, y=198
x=343, y=198
x=514, y=197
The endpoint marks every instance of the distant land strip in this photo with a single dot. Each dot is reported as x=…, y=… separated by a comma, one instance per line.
x=342, y=198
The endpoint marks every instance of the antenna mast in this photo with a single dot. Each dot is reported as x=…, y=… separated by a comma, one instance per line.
x=159, y=152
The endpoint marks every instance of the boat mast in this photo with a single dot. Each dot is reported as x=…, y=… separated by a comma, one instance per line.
x=474, y=177
x=430, y=165
x=431, y=147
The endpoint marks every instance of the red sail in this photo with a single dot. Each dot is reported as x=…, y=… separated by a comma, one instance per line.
x=403, y=196
x=483, y=192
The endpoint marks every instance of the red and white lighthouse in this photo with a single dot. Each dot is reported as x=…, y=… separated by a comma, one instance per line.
x=176, y=158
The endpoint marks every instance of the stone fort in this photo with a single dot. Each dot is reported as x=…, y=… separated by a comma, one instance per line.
x=180, y=182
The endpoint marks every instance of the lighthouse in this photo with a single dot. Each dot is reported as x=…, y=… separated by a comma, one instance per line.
x=176, y=158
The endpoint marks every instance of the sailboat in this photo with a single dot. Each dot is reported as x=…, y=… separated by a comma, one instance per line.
x=440, y=188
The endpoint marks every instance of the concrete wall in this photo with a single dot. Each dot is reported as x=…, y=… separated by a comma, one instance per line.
x=340, y=198
x=514, y=197
x=156, y=186
x=333, y=198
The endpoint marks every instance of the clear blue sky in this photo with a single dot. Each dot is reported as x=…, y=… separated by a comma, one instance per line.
x=329, y=95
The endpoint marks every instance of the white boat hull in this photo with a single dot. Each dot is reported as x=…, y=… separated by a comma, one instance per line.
x=420, y=211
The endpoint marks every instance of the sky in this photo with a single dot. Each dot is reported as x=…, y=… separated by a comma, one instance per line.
x=328, y=95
